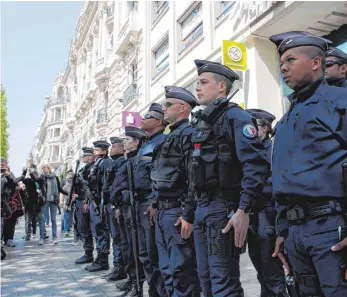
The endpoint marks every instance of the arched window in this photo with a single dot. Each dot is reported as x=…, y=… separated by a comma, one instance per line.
x=60, y=95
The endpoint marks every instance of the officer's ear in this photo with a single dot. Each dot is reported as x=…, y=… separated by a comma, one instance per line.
x=343, y=69
x=317, y=63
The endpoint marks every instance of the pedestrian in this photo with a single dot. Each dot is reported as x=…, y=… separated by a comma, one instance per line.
x=310, y=149
x=82, y=207
x=50, y=193
x=101, y=198
x=262, y=231
x=67, y=209
x=134, y=138
x=229, y=167
x=169, y=174
x=336, y=67
x=118, y=271
x=154, y=125
x=32, y=207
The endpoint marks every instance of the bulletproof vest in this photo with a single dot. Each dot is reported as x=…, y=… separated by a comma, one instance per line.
x=167, y=161
x=111, y=171
x=94, y=177
x=214, y=162
x=143, y=163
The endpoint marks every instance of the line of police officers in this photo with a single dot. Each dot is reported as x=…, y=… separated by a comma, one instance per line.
x=206, y=186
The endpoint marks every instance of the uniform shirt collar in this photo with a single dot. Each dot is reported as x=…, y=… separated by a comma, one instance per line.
x=337, y=82
x=132, y=154
x=154, y=135
x=177, y=124
x=307, y=92
x=115, y=157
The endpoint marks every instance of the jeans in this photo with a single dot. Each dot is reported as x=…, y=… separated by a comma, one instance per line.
x=30, y=222
x=52, y=207
x=68, y=216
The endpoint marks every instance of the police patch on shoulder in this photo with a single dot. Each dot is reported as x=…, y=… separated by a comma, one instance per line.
x=249, y=131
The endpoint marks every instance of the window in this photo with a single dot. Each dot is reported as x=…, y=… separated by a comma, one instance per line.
x=56, y=132
x=132, y=6
x=85, y=140
x=132, y=73
x=55, y=153
x=58, y=115
x=223, y=8
x=191, y=26
x=51, y=134
x=158, y=8
x=161, y=56
x=60, y=95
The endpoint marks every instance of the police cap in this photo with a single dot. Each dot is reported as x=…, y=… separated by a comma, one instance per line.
x=156, y=110
x=87, y=151
x=182, y=94
x=103, y=144
x=287, y=40
x=214, y=67
x=116, y=140
x=261, y=114
x=135, y=132
x=335, y=52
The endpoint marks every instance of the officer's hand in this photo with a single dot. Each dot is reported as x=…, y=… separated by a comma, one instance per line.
x=240, y=222
x=278, y=253
x=117, y=215
x=152, y=212
x=338, y=247
x=74, y=196
x=186, y=228
x=86, y=207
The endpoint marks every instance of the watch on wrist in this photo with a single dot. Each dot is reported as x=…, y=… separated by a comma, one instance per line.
x=245, y=208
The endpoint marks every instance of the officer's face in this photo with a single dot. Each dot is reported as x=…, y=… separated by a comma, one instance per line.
x=262, y=131
x=172, y=109
x=130, y=144
x=208, y=89
x=117, y=149
x=298, y=68
x=334, y=69
x=99, y=151
x=148, y=122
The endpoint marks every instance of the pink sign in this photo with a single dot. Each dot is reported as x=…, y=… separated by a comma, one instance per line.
x=131, y=118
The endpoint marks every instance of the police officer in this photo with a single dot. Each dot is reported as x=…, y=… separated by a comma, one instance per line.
x=153, y=123
x=99, y=189
x=82, y=212
x=336, y=67
x=309, y=150
x=117, y=156
x=134, y=138
x=262, y=232
x=229, y=168
x=169, y=176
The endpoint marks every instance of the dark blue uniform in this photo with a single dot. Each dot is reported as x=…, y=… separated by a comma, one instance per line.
x=261, y=241
x=83, y=229
x=98, y=187
x=114, y=227
x=148, y=252
x=121, y=184
x=309, y=149
x=228, y=172
x=169, y=179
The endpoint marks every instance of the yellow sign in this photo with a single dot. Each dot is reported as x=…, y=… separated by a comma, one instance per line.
x=234, y=55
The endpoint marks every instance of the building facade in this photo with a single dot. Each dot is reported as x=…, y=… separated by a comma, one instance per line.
x=125, y=52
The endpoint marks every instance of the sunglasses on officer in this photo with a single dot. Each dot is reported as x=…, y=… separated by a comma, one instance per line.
x=330, y=63
x=149, y=116
x=169, y=104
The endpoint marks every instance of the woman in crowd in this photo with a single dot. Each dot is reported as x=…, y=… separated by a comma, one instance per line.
x=50, y=191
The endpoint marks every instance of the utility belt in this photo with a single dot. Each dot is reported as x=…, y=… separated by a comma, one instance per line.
x=168, y=204
x=299, y=214
x=217, y=194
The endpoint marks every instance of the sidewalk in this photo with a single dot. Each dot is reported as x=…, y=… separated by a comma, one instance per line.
x=49, y=270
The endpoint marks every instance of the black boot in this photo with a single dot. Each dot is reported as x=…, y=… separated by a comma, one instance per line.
x=3, y=254
x=86, y=258
x=134, y=292
x=118, y=273
x=125, y=286
x=152, y=291
x=101, y=263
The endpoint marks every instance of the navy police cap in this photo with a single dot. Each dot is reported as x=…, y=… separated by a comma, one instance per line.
x=182, y=94
x=101, y=144
x=135, y=132
x=260, y=114
x=335, y=52
x=214, y=67
x=292, y=39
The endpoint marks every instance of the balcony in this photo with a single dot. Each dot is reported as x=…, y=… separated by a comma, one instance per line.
x=130, y=94
x=129, y=33
x=101, y=120
x=57, y=101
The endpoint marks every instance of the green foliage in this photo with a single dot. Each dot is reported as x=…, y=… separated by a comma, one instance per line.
x=4, y=125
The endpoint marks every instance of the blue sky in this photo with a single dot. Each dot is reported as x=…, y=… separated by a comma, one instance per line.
x=35, y=40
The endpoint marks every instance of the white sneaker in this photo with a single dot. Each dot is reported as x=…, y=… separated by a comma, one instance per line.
x=11, y=243
x=41, y=242
x=33, y=236
x=78, y=242
x=55, y=241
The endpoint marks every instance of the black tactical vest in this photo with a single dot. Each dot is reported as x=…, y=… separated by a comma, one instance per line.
x=167, y=162
x=216, y=166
